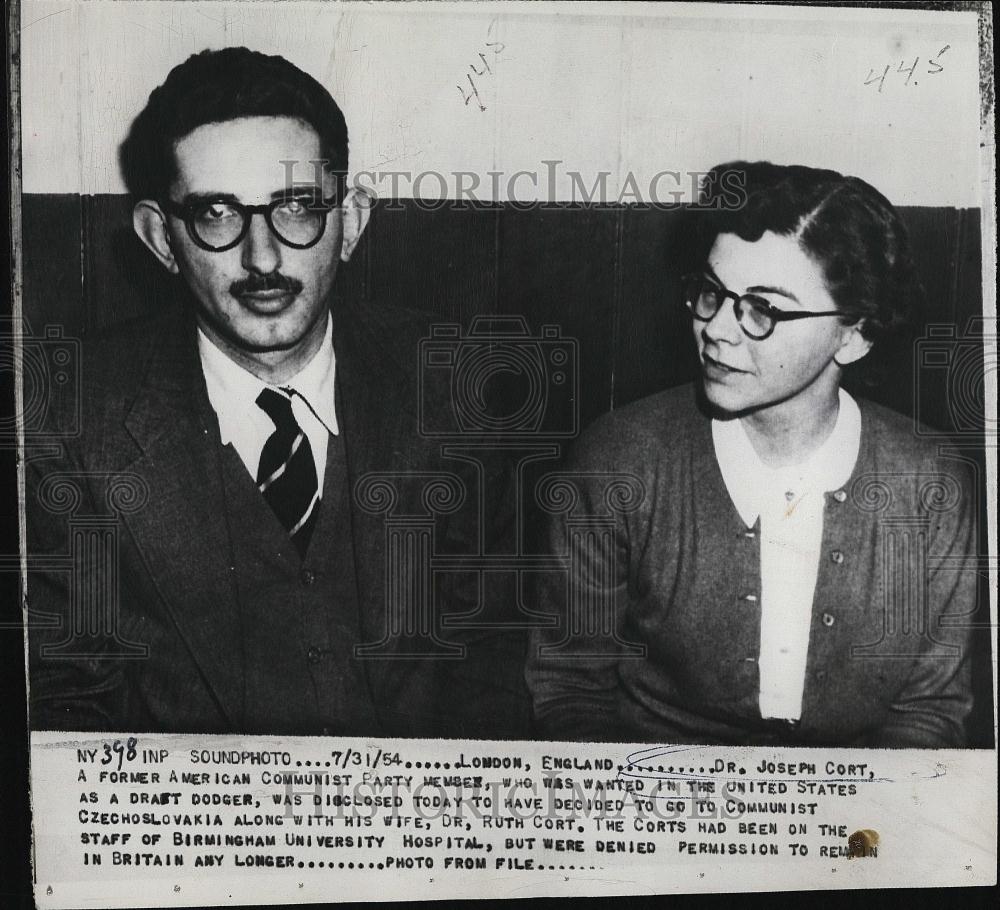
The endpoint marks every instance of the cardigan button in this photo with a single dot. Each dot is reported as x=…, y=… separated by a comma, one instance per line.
x=750, y=598
x=307, y=577
x=840, y=496
x=828, y=619
x=314, y=655
x=749, y=535
x=837, y=556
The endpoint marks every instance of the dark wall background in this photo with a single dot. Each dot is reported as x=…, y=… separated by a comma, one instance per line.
x=607, y=276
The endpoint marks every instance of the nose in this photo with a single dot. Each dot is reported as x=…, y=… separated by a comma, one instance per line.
x=724, y=326
x=261, y=251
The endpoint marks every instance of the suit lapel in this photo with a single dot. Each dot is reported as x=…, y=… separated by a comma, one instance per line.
x=183, y=533
x=379, y=414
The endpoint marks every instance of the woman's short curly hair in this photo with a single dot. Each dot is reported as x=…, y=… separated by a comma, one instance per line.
x=217, y=86
x=843, y=223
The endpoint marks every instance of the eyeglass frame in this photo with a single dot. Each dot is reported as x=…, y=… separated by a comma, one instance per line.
x=775, y=314
x=186, y=212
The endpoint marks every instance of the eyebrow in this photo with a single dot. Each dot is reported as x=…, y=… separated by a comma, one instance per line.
x=288, y=192
x=781, y=292
x=757, y=288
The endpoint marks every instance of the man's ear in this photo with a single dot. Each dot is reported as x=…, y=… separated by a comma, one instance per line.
x=853, y=345
x=150, y=224
x=355, y=209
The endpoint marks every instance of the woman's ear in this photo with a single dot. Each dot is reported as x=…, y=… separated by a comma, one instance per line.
x=853, y=345
x=150, y=225
x=356, y=209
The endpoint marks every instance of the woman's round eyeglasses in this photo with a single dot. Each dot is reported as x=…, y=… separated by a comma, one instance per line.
x=704, y=297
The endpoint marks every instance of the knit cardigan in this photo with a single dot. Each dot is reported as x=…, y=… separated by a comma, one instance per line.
x=658, y=604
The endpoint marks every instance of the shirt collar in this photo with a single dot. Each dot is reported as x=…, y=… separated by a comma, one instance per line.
x=314, y=382
x=750, y=482
x=233, y=390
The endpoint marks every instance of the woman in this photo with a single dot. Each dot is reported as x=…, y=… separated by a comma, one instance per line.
x=772, y=573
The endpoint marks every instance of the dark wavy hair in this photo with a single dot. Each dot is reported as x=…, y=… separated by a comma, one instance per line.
x=843, y=223
x=216, y=86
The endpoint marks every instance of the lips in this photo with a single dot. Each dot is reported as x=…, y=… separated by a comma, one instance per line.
x=715, y=369
x=272, y=294
x=267, y=301
x=266, y=294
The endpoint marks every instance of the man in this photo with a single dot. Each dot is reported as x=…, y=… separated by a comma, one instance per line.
x=245, y=587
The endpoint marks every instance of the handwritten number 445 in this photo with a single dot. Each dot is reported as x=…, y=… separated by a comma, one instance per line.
x=484, y=69
x=933, y=69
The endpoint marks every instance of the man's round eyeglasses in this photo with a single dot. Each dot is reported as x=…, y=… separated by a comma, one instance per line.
x=704, y=297
x=220, y=224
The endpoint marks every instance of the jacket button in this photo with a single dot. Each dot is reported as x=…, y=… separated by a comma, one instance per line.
x=307, y=577
x=314, y=655
x=750, y=660
x=750, y=598
x=828, y=619
x=837, y=556
x=820, y=675
x=749, y=535
x=840, y=496
x=327, y=731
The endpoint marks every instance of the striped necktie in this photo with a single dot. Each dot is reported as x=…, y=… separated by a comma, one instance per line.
x=287, y=472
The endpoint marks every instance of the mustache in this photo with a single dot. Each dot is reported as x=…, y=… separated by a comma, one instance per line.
x=274, y=281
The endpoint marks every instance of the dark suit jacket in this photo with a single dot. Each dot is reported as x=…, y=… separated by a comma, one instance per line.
x=145, y=415
x=889, y=645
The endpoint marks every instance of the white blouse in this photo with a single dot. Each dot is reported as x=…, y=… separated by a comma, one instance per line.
x=789, y=502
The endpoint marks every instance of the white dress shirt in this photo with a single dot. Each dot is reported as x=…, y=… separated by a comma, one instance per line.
x=233, y=392
x=789, y=502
